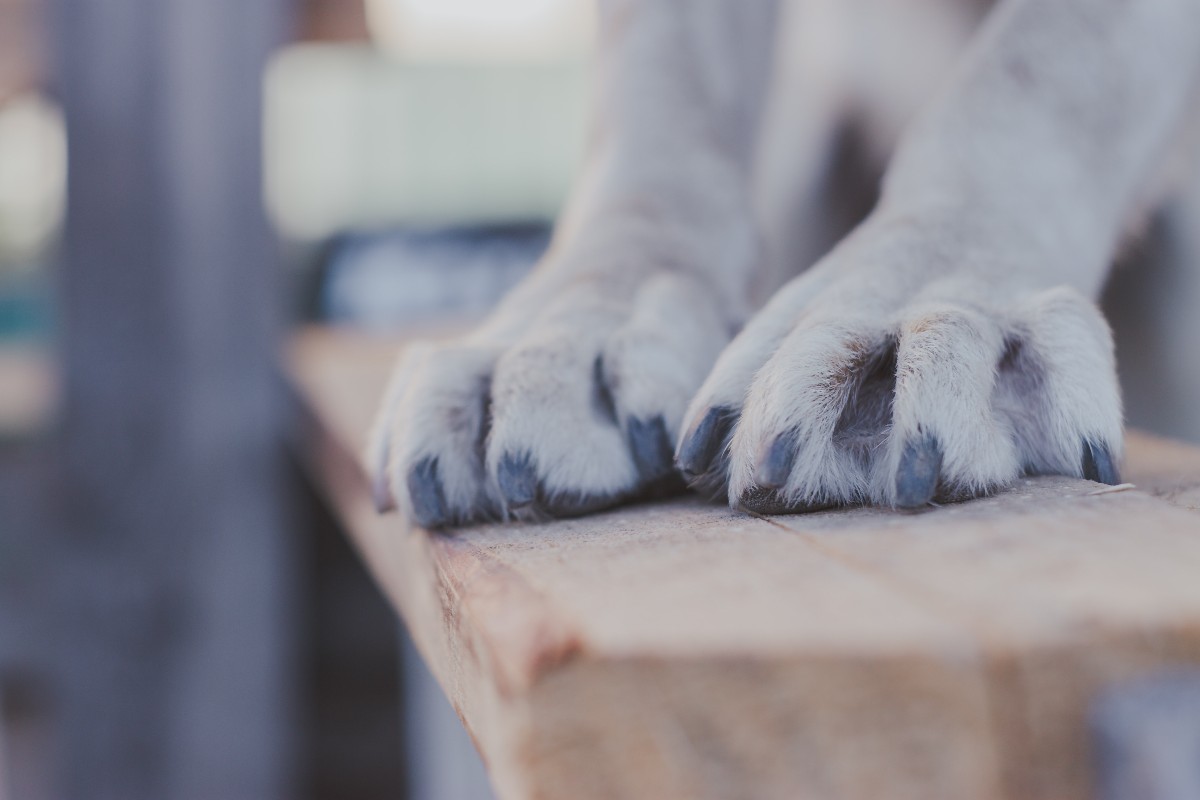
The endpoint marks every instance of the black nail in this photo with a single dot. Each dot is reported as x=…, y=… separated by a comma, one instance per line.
x=767, y=501
x=425, y=489
x=703, y=442
x=1098, y=464
x=775, y=462
x=917, y=477
x=574, y=504
x=517, y=477
x=605, y=403
x=651, y=448
x=762, y=500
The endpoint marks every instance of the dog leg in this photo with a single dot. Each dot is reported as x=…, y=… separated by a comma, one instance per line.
x=569, y=398
x=951, y=342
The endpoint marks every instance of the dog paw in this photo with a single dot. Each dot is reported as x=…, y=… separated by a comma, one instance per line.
x=568, y=400
x=893, y=374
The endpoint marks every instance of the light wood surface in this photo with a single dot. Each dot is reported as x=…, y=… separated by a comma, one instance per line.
x=683, y=650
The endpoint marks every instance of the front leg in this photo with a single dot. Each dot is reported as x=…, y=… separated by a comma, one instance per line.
x=951, y=343
x=570, y=397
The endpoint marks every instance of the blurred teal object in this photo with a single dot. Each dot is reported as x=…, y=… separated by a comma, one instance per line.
x=26, y=306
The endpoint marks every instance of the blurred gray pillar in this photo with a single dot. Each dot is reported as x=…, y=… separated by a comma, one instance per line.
x=1153, y=304
x=172, y=580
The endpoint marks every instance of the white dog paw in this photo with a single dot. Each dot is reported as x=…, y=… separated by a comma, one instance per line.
x=887, y=376
x=569, y=400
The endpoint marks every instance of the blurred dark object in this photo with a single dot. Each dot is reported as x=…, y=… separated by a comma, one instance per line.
x=352, y=743
x=386, y=280
x=25, y=307
x=1146, y=738
x=1151, y=301
x=25, y=697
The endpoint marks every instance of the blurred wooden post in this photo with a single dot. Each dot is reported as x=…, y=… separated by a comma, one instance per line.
x=172, y=576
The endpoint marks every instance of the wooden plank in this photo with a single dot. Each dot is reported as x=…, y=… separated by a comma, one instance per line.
x=1069, y=591
x=680, y=649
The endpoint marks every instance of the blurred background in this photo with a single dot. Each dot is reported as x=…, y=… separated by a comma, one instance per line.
x=179, y=616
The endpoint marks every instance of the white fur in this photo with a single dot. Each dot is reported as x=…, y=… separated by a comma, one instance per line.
x=1001, y=212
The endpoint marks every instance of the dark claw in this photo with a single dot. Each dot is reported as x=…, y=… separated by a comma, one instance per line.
x=775, y=462
x=651, y=448
x=767, y=501
x=703, y=443
x=606, y=404
x=917, y=477
x=425, y=489
x=572, y=504
x=517, y=477
x=762, y=500
x=1098, y=464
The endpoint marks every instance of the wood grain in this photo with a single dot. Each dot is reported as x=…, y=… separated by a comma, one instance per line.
x=684, y=650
